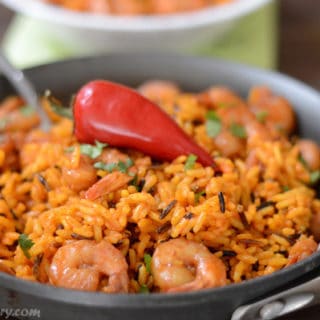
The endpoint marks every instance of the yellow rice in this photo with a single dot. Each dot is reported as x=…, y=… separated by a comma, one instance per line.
x=252, y=242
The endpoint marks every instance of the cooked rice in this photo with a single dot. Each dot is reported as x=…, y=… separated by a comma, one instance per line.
x=266, y=207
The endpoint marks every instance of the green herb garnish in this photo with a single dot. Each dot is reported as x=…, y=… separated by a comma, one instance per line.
x=124, y=166
x=105, y=166
x=69, y=149
x=144, y=289
x=198, y=195
x=261, y=116
x=25, y=244
x=58, y=108
x=121, y=166
x=314, y=177
x=238, y=130
x=93, y=151
x=61, y=110
x=147, y=261
x=134, y=182
x=190, y=162
x=213, y=124
x=303, y=161
x=27, y=111
x=285, y=188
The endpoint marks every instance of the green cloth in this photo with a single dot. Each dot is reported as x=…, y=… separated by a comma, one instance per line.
x=253, y=40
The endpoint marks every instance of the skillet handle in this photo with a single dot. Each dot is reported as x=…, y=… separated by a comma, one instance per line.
x=299, y=297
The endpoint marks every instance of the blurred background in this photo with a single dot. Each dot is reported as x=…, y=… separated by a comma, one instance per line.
x=287, y=38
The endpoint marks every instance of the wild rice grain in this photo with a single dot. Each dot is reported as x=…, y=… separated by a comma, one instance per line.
x=43, y=181
x=166, y=210
x=229, y=253
x=188, y=216
x=243, y=217
x=36, y=265
x=77, y=236
x=165, y=227
x=265, y=204
x=222, y=202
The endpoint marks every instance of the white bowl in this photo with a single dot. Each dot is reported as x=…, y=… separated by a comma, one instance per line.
x=101, y=33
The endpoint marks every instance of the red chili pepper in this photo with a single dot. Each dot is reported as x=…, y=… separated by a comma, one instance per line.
x=112, y=113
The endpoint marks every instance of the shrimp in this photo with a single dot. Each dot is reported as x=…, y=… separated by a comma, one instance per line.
x=220, y=97
x=81, y=177
x=231, y=110
x=182, y=265
x=156, y=90
x=228, y=144
x=310, y=152
x=109, y=183
x=81, y=264
x=12, y=117
x=303, y=248
x=110, y=155
x=10, y=104
x=278, y=112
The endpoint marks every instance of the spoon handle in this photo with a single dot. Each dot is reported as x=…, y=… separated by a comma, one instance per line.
x=23, y=87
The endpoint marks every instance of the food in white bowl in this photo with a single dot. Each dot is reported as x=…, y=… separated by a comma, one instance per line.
x=136, y=7
x=93, y=33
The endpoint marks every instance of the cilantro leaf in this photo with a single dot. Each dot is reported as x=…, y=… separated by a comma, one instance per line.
x=105, y=166
x=25, y=244
x=262, y=115
x=191, y=160
x=213, y=124
x=303, y=161
x=121, y=166
x=144, y=289
x=147, y=260
x=314, y=177
x=198, y=195
x=27, y=110
x=69, y=149
x=93, y=151
x=61, y=111
x=57, y=108
x=238, y=130
x=134, y=182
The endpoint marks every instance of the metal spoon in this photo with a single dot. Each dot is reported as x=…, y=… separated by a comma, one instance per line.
x=24, y=88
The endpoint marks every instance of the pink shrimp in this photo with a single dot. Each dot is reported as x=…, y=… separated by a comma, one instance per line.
x=182, y=265
x=82, y=177
x=310, y=152
x=232, y=110
x=278, y=113
x=159, y=90
x=109, y=183
x=303, y=248
x=81, y=264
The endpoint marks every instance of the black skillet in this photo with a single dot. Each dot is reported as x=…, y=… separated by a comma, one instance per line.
x=192, y=74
